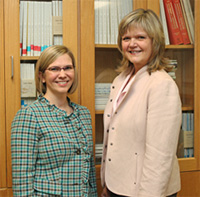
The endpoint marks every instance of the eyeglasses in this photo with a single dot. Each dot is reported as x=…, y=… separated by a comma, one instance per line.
x=57, y=69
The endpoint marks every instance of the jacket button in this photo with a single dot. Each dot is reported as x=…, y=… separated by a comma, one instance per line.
x=111, y=100
x=78, y=152
x=109, y=159
x=108, y=115
x=113, y=87
x=107, y=130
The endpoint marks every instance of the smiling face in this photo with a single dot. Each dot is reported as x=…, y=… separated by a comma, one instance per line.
x=58, y=82
x=137, y=47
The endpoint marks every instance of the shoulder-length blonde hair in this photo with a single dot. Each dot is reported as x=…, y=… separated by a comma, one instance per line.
x=150, y=23
x=47, y=57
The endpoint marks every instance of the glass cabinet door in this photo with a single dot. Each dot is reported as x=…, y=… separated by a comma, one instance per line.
x=185, y=75
x=182, y=58
x=40, y=27
x=108, y=15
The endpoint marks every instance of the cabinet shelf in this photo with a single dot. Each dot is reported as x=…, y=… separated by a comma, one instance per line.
x=114, y=46
x=191, y=46
x=184, y=108
x=108, y=46
x=187, y=108
x=29, y=57
x=99, y=111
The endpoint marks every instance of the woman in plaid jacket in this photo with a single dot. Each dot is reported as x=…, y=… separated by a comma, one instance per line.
x=52, y=146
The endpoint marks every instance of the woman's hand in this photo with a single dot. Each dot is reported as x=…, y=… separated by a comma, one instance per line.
x=105, y=192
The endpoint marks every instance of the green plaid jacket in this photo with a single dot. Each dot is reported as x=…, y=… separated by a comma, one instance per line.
x=52, y=153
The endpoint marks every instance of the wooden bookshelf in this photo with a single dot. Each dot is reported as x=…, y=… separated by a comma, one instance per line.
x=78, y=35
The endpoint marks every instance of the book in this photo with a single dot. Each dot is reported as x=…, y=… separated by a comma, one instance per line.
x=113, y=22
x=60, y=14
x=31, y=8
x=189, y=16
x=104, y=25
x=186, y=22
x=188, y=133
x=50, y=25
x=181, y=21
x=29, y=25
x=102, y=92
x=43, y=26
x=164, y=22
x=24, y=31
x=172, y=24
x=96, y=3
x=108, y=22
x=35, y=25
x=28, y=88
x=100, y=37
x=21, y=24
x=39, y=10
x=57, y=15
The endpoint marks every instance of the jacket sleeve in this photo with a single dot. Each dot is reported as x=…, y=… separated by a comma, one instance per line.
x=92, y=173
x=24, y=153
x=92, y=179
x=163, y=127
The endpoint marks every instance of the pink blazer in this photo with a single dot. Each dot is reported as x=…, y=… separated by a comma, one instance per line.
x=141, y=136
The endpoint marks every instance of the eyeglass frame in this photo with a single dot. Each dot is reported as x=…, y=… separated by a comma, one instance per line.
x=67, y=68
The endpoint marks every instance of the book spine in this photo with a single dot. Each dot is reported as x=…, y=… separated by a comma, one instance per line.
x=164, y=22
x=43, y=30
x=189, y=14
x=24, y=51
x=28, y=47
x=35, y=25
x=173, y=28
x=104, y=26
x=31, y=8
x=50, y=25
x=181, y=21
x=186, y=22
x=96, y=3
x=108, y=21
x=21, y=24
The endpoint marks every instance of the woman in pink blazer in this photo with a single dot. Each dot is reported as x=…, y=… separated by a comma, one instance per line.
x=142, y=118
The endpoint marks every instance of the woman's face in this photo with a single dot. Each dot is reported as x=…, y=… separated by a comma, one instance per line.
x=59, y=76
x=137, y=47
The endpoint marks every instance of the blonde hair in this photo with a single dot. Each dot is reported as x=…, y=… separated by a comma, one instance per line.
x=150, y=23
x=47, y=57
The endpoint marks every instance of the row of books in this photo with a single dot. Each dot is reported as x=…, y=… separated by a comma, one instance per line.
x=98, y=153
x=27, y=71
x=102, y=92
x=40, y=26
x=186, y=138
x=108, y=14
x=172, y=73
x=185, y=146
x=178, y=21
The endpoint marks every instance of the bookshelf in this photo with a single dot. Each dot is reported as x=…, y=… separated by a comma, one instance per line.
x=10, y=60
x=92, y=59
x=105, y=58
